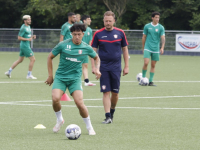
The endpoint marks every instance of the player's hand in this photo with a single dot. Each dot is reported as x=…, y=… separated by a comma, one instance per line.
x=49, y=80
x=125, y=71
x=93, y=70
x=161, y=51
x=34, y=36
x=29, y=39
x=98, y=74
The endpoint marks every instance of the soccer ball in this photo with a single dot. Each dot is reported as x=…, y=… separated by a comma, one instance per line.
x=73, y=132
x=144, y=81
x=139, y=77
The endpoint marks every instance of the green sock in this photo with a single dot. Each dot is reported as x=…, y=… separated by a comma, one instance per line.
x=151, y=76
x=144, y=73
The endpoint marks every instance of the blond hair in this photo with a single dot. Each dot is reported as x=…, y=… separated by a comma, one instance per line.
x=109, y=13
x=26, y=17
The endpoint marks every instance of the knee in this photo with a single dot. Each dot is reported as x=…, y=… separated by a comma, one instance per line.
x=153, y=65
x=80, y=105
x=55, y=99
x=145, y=64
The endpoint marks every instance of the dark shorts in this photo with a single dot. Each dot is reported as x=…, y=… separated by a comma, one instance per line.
x=110, y=81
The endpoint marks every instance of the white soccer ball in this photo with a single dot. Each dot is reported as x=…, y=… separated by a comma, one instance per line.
x=139, y=77
x=144, y=81
x=73, y=132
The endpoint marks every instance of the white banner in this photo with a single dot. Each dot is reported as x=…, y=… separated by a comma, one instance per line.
x=188, y=42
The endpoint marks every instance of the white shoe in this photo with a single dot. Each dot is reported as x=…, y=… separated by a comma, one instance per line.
x=30, y=77
x=89, y=84
x=57, y=127
x=91, y=132
x=8, y=74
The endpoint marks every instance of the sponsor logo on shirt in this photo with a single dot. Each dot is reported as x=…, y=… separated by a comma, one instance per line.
x=103, y=87
x=104, y=37
x=115, y=36
x=156, y=30
x=29, y=35
x=68, y=48
x=80, y=51
x=72, y=59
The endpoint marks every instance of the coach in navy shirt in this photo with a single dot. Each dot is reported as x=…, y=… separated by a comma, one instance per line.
x=110, y=41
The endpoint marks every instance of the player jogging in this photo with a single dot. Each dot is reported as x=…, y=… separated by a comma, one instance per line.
x=152, y=34
x=65, y=29
x=68, y=75
x=87, y=38
x=25, y=50
x=110, y=41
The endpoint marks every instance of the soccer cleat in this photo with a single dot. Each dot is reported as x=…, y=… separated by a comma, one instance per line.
x=151, y=84
x=107, y=120
x=91, y=132
x=89, y=84
x=8, y=74
x=30, y=77
x=57, y=127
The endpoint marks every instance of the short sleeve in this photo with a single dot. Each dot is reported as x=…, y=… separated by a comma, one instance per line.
x=22, y=32
x=145, y=31
x=124, y=40
x=57, y=49
x=64, y=30
x=91, y=52
x=95, y=42
x=162, y=31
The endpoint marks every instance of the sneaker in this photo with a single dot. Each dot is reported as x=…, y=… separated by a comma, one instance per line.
x=107, y=121
x=91, y=132
x=30, y=77
x=151, y=84
x=57, y=127
x=89, y=84
x=8, y=74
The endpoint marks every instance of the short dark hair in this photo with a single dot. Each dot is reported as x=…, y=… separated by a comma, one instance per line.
x=84, y=17
x=78, y=27
x=70, y=14
x=155, y=13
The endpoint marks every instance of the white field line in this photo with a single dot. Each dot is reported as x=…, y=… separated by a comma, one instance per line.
x=3, y=82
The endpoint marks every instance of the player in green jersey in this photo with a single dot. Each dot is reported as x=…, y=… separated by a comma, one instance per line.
x=78, y=18
x=152, y=35
x=65, y=29
x=87, y=38
x=68, y=75
x=25, y=50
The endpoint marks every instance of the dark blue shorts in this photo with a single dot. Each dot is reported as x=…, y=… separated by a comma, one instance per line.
x=110, y=81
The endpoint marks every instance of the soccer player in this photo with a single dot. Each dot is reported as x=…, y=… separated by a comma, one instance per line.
x=25, y=50
x=110, y=41
x=152, y=34
x=68, y=75
x=65, y=29
x=78, y=18
x=87, y=38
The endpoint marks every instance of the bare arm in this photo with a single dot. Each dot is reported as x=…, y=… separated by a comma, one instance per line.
x=162, y=44
x=92, y=61
x=96, y=59
x=143, y=42
x=26, y=39
x=49, y=80
x=126, y=60
x=61, y=38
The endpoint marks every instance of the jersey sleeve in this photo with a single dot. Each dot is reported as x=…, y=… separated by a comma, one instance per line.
x=57, y=49
x=124, y=40
x=64, y=30
x=91, y=52
x=145, y=31
x=90, y=39
x=95, y=42
x=22, y=32
x=162, y=31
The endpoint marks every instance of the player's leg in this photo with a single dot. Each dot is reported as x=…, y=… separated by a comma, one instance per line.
x=146, y=62
x=85, y=73
x=154, y=59
x=57, y=91
x=8, y=73
x=75, y=89
x=30, y=68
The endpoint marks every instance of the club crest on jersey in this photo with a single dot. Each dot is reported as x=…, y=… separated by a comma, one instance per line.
x=80, y=51
x=68, y=46
x=156, y=30
x=103, y=87
x=115, y=36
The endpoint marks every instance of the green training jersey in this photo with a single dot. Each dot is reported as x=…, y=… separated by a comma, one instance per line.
x=65, y=31
x=153, y=33
x=87, y=35
x=79, y=22
x=71, y=59
x=25, y=32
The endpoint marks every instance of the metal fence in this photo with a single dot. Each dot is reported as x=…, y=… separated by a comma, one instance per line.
x=48, y=38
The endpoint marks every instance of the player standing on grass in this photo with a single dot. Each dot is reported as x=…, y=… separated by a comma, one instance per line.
x=25, y=50
x=65, y=29
x=110, y=41
x=87, y=38
x=68, y=75
x=152, y=34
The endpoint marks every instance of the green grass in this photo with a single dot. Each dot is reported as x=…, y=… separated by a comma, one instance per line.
x=147, y=118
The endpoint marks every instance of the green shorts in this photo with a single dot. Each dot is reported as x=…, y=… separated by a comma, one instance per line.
x=26, y=52
x=85, y=60
x=71, y=85
x=154, y=56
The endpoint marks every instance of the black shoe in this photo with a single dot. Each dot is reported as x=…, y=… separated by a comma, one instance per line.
x=151, y=84
x=107, y=120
